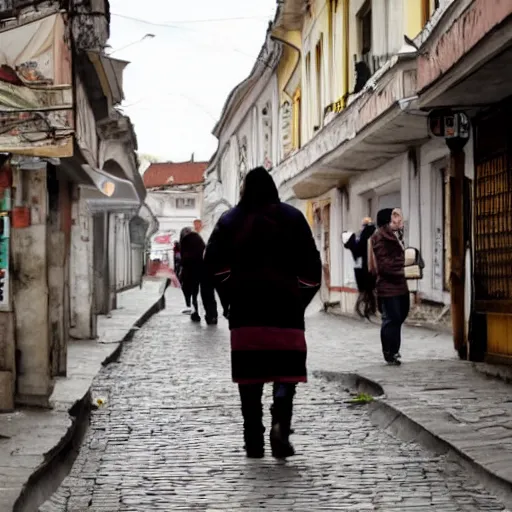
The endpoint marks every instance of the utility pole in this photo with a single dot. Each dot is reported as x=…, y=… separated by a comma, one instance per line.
x=454, y=127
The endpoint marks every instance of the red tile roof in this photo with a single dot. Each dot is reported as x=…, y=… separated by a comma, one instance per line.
x=169, y=173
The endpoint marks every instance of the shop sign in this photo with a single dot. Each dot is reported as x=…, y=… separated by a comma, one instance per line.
x=4, y=261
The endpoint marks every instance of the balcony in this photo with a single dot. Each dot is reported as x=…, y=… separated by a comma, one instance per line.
x=366, y=66
x=372, y=129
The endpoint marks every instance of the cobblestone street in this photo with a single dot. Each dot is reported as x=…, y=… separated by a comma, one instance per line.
x=169, y=436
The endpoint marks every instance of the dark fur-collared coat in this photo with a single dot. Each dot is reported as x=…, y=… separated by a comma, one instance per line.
x=267, y=268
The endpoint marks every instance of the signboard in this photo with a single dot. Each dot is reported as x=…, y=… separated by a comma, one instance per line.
x=162, y=239
x=448, y=125
x=36, y=97
x=5, y=187
x=336, y=107
x=4, y=262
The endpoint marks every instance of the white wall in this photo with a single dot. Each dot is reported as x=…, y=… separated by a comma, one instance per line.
x=423, y=207
x=170, y=218
x=82, y=324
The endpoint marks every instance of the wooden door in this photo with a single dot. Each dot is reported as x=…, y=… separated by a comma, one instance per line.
x=493, y=230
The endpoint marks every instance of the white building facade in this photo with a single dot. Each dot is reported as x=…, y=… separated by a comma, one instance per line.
x=175, y=196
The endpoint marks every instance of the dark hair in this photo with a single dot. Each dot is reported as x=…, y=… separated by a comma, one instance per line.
x=184, y=233
x=258, y=189
x=384, y=217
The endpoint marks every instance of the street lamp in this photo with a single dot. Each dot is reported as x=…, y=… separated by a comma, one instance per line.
x=146, y=36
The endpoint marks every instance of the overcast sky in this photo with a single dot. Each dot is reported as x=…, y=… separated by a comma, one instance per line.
x=178, y=81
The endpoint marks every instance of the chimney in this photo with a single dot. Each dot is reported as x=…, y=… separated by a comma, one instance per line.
x=192, y=157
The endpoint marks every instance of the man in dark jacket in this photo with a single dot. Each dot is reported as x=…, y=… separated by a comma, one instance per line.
x=192, y=249
x=194, y=277
x=267, y=268
x=386, y=260
x=358, y=246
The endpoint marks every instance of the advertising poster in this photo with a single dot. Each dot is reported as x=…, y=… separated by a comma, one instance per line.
x=4, y=262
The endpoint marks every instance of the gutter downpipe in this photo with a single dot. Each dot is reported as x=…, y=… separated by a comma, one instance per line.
x=275, y=37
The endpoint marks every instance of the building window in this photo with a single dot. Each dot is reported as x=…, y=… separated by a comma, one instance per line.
x=365, y=28
x=428, y=8
x=369, y=207
x=185, y=203
x=332, y=77
x=309, y=94
x=297, y=115
x=319, y=82
x=364, y=61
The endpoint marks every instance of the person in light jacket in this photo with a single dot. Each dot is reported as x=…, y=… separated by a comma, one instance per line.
x=267, y=268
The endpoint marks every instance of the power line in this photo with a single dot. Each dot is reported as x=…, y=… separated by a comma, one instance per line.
x=193, y=31
x=184, y=22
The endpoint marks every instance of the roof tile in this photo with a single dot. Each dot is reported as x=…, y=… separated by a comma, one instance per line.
x=169, y=173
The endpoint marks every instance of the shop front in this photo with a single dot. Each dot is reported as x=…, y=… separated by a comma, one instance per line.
x=473, y=77
x=493, y=228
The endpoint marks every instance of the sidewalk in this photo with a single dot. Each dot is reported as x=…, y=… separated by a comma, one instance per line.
x=456, y=403
x=432, y=397
x=30, y=439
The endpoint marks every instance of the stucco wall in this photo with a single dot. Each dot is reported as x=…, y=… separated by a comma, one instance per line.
x=81, y=273
x=30, y=292
x=172, y=219
x=7, y=365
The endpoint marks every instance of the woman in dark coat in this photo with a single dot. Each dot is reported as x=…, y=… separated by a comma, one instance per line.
x=386, y=260
x=267, y=268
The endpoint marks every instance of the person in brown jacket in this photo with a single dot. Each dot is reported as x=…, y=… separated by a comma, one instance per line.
x=386, y=261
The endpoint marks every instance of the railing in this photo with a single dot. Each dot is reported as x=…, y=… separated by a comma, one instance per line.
x=374, y=62
x=366, y=66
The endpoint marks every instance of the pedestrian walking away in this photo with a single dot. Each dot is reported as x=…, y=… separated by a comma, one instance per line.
x=358, y=246
x=267, y=269
x=194, y=278
x=192, y=249
x=386, y=261
x=178, y=271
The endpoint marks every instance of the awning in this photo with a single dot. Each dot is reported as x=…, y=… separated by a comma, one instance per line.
x=109, y=193
x=381, y=123
x=110, y=71
x=146, y=213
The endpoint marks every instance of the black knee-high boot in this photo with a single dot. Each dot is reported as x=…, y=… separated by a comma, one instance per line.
x=282, y=411
x=252, y=412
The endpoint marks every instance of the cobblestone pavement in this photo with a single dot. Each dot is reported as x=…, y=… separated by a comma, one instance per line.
x=169, y=435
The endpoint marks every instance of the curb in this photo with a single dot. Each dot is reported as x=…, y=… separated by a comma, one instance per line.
x=57, y=463
x=409, y=322
x=392, y=420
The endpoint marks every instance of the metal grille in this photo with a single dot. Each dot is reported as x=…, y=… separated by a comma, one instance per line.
x=493, y=211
